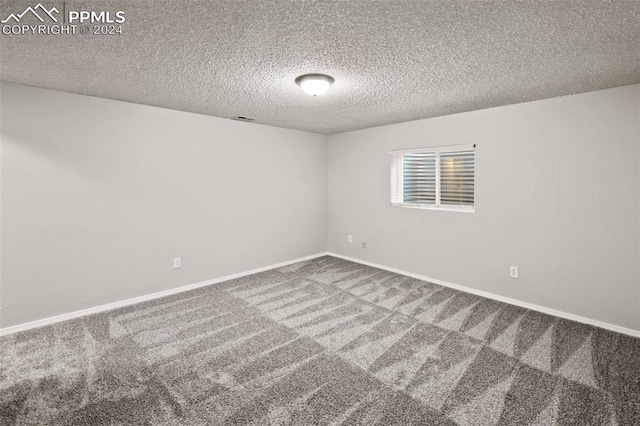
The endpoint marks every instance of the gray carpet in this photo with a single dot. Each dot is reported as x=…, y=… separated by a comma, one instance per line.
x=325, y=342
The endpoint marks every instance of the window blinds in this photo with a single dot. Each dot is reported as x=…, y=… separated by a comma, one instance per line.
x=419, y=178
x=440, y=177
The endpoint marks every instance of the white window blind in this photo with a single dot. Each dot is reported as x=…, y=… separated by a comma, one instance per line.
x=436, y=178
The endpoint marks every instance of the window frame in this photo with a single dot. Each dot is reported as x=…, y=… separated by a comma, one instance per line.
x=397, y=178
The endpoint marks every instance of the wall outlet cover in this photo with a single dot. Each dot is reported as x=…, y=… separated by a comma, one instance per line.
x=514, y=272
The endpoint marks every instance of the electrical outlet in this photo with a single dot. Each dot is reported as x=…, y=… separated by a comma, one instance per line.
x=177, y=262
x=349, y=239
x=514, y=272
x=364, y=244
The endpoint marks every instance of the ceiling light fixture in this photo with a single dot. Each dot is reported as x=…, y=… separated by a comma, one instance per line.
x=315, y=84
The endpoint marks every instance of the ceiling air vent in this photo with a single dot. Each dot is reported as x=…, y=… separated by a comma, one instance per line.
x=247, y=119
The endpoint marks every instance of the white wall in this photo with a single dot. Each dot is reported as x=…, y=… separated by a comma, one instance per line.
x=557, y=194
x=98, y=196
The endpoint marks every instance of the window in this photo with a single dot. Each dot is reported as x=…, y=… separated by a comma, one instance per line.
x=434, y=178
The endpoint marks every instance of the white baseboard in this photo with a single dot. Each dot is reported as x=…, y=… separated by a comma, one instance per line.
x=140, y=299
x=549, y=311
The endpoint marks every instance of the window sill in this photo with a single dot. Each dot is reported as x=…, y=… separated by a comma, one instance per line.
x=438, y=208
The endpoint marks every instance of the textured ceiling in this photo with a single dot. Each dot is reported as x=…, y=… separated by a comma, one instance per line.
x=393, y=60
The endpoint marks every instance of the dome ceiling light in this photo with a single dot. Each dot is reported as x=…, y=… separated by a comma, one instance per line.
x=315, y=84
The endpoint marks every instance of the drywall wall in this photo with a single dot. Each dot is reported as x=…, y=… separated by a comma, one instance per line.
x=99, y=196
x=557, y=194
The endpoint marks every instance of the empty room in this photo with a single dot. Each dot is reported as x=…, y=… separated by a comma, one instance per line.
x=320, y=212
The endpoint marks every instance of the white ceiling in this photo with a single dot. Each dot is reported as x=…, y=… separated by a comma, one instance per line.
x=393, y=60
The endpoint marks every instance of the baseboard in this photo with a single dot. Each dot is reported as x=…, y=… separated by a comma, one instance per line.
x=549, y=311
x=157, y=295
x=140, y=299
